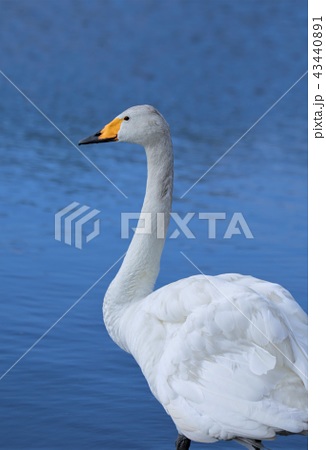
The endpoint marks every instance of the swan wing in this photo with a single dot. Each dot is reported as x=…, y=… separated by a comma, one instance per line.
x=230, y=361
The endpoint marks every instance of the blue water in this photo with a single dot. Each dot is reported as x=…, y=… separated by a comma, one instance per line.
x=213, y=68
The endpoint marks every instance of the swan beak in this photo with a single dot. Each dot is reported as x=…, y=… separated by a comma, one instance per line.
x=108, y=134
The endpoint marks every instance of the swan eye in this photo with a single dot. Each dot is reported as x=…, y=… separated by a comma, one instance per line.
x=126, y=118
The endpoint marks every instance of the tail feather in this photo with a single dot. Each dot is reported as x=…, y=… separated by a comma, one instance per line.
x=254, y=444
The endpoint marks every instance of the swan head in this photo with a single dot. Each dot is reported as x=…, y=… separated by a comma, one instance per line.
x=141, y=124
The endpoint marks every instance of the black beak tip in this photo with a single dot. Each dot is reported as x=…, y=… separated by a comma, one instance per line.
x=94, y=139
x=89, y=140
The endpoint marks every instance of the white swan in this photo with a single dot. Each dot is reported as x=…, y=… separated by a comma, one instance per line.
x=225, y=355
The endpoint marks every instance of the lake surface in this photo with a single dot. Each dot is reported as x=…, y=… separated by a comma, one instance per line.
x=214, y=68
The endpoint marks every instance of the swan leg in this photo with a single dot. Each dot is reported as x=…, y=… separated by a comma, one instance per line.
x=259, y=445
x=182, y=443
x=250, y=444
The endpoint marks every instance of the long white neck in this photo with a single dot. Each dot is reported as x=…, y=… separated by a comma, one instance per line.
x=139, y=270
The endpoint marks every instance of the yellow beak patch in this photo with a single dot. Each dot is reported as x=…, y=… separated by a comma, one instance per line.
x=111, y=130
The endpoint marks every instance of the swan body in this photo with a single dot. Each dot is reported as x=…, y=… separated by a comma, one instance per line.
x=225, y=355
